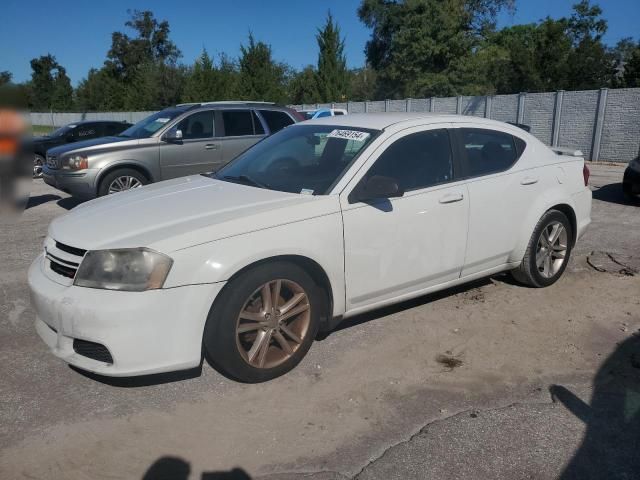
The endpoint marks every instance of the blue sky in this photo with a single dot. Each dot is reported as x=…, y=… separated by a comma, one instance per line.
x=79, y=33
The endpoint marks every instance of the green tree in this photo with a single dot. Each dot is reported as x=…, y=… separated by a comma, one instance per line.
x=332, y=76
x=261, y=78
x=426, y=47
x=50, y=85
x=590, y=64
x=303, y=86
x=632, y=69
x=100, y=91
x=5, y=77
x=208, y=82
x=362, y=84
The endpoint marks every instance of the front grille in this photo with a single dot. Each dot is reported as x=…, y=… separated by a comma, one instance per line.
x=71, y=250
x=52, y=161
x=95, y=351
x=61, y=269
x=58, y=261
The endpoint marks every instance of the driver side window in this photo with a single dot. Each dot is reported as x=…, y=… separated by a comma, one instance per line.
x=198, y=125
x=418, y=160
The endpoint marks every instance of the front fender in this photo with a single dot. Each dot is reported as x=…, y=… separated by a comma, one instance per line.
x=318, y=239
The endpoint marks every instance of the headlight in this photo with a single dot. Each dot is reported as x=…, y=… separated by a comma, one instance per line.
x=76, y=162
x=130, y=269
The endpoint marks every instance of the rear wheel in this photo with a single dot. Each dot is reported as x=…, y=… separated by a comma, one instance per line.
x=548, y=251
x=121, y=180
x=263, y=322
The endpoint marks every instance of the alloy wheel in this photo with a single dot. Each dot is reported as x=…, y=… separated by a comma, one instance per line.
x=125, y=182
x=551, y=251
x=37, y=167
x=273, y=323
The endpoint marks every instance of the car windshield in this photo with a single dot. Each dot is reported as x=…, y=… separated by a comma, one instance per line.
x=62, y=130
x=306, y=159
x=150, y=125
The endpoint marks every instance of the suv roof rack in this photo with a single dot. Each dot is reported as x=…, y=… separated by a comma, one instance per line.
x=224, y=102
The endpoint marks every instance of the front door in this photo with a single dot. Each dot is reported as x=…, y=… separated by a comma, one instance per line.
x=198, y=151
x=396, y=247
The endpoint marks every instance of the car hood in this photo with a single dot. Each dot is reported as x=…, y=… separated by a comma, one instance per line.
x=183, y=212
x=89, y=145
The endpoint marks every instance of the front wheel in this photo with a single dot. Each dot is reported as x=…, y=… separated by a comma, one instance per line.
x=121, y=180
x=264, y=322
x=548, y=251
x=38, y=163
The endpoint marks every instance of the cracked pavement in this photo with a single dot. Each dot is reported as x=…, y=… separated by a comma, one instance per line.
x=545, y=384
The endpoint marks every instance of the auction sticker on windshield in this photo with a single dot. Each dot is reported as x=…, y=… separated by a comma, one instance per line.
x=349, y=135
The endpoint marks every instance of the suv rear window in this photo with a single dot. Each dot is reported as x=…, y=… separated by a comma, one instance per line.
x=237, y=123
x=276, y=120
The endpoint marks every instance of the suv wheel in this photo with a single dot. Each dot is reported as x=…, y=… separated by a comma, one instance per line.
x=121, y=180
x=264, y=322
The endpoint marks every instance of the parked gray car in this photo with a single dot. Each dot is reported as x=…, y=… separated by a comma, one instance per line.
x=177, y=141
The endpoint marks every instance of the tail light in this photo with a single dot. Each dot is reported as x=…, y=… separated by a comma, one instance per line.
x=586, y=174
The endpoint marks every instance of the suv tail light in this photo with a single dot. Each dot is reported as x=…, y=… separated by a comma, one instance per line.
x=586, y=174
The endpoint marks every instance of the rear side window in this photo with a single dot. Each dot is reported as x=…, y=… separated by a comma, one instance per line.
x=276, y=120
x=487, y=151
x=418, y=160
x=338, y=112
x=324, y=114
x=198, y=125
x=114, y=128
x=86, y=131
x=237, y=123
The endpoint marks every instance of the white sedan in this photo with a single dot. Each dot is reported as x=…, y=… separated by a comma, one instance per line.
x=322, y=221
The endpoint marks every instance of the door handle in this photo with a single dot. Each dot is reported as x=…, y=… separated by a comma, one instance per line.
x=528, y=181
x=211, y=146
x=451, y=198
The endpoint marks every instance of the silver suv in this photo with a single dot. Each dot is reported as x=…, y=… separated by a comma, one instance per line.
x=182, y=140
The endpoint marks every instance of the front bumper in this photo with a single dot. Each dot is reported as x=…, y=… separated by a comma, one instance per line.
x=79, y=184
x=145, y=332
x=631, y=181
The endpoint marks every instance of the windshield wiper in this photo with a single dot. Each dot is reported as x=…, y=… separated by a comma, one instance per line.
x=244, y=179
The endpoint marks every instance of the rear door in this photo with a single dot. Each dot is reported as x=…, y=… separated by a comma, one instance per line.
x=239, y=129
x=500, y=192
x=199, y=150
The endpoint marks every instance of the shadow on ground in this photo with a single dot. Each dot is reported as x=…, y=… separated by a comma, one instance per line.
x=40, y=199
x=611, y=446
x=612, y=193
x=175, y=468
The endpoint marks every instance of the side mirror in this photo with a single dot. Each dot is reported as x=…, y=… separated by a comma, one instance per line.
x=173, y=135
x=376, y=188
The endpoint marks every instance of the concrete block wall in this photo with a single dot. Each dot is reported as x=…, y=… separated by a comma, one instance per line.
x=604, y=124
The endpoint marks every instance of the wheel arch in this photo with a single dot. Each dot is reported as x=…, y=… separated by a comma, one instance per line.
x=123, y=164
x=310, y=266
x=534, y=215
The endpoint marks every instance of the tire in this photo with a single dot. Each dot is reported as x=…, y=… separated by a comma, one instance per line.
x=229, y=350
x=529, y=272
x=121, y=173
x=38, y=163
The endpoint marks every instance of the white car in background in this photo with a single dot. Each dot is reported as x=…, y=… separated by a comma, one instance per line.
x=322, y=112
x=324, y=220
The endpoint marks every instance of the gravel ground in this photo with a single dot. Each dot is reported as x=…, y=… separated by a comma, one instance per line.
x=456, y=384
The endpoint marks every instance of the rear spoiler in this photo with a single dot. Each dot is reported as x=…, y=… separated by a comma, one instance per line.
x=569, y=152
x=526, y=128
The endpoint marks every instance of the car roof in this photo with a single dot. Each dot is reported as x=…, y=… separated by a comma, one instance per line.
x=381, y=121
x=230, y=103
